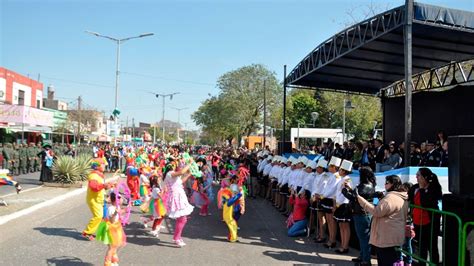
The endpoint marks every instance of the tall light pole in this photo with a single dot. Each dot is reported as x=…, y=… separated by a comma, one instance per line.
x=117, y=72
x=264, y=114
x=158, y=95
x=179, y=113
x=347, y=105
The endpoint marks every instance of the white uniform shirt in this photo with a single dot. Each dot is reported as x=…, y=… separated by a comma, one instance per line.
x=293, y=177
x=340, y=199
x=300, y=178
x=262, y=165
x=308, y=181
x=279, y=174
x=273, y=173
x=330, y=186
x=316, y=188
x=267, y=169
x=285, y=175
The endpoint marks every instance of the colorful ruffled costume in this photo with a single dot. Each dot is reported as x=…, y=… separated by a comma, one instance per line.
x=157, y=207
x=95, y=200
x=228, y=201
x=5, y=179
x=110, y=231
x=133, y=184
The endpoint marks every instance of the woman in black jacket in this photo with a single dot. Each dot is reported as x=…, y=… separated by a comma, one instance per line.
x=426, y=193
x=365, y=189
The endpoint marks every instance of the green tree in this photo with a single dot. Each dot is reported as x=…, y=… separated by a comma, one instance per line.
x=301, y=104
x=359, y=121
x=238, y=109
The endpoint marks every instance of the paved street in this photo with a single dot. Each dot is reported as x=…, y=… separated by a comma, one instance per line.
x=27, y=181
x=51, y=236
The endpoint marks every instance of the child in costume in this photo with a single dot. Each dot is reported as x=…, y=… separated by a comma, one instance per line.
x=229, y=197
x=156, y=208
x=95, y=198
x=133, y=184
x=208, y=182
x=145, y=184
x=199, y=197
x=110, y=231
x=177, y=204
x=5, y=179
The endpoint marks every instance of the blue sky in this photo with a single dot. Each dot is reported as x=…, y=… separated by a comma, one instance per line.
x=195, y=42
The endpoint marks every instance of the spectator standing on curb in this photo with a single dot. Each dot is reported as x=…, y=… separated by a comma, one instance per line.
x=426, y=193
x=387, y=232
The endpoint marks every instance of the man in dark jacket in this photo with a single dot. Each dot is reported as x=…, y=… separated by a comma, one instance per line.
x=432, y=157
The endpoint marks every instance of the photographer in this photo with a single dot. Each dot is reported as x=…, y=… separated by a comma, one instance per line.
x=388, y=223
x=297, y=221
x=365, y=189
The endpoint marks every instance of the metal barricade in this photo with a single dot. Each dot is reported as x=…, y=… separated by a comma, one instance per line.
x=465, y=239
x=435, y=214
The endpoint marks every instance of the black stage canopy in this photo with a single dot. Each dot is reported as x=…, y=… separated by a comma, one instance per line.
x=369, y=56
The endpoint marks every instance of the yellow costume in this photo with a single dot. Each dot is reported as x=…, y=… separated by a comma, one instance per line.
x=95, y=200
x=228, y=211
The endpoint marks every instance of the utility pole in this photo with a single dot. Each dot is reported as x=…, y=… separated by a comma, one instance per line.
x=158, y=95
x=264, y=115
x=126, y=127
x=179, y=115
x=133, y=127
x=79, y=102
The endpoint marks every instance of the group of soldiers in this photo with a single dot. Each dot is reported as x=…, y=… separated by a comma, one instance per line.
x=20, y=158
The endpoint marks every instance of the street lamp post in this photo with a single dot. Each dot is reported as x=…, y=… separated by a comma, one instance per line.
x=347, y=105
x=179, y=113
x=314, y=117
x=117, y=72
x=158, y=95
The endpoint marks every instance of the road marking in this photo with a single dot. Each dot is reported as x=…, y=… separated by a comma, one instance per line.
x=23, y=191
x=6, y=218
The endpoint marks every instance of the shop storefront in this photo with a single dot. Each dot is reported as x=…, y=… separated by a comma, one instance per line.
x=30, y=124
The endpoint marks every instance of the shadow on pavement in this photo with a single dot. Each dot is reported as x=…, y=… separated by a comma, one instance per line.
x=63, y=261
x=66, y=232
x=138, y=235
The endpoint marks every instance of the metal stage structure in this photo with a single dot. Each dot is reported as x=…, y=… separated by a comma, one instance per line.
x=379, y=55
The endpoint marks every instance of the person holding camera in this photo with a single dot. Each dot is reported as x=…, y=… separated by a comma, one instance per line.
x=297, y=221
x=387, y=232
x=365, y=189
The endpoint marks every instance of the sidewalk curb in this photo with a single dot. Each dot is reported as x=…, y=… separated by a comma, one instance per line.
x=6, y=218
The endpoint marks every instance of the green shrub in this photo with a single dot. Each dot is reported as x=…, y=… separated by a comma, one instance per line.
x=68, y=170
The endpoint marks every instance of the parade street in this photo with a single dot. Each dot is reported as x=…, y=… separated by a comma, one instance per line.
x=27, y=181
x=51, y=236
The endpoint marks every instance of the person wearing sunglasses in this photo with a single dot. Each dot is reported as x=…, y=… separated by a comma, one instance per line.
x=389, y=217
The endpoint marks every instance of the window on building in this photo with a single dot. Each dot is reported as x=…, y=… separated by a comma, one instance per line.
x=21, y=97
x=38, y=104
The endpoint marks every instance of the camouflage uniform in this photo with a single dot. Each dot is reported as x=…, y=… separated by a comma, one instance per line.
x=16, y=158
x=31, y=153
x=7, y=156
x=1, y=155
x=23, y=153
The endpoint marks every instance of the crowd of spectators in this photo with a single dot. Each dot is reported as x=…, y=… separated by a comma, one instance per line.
x=381, y=157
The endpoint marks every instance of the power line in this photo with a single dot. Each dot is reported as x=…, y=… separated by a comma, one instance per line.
x=171, y=79
x=78, y=82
